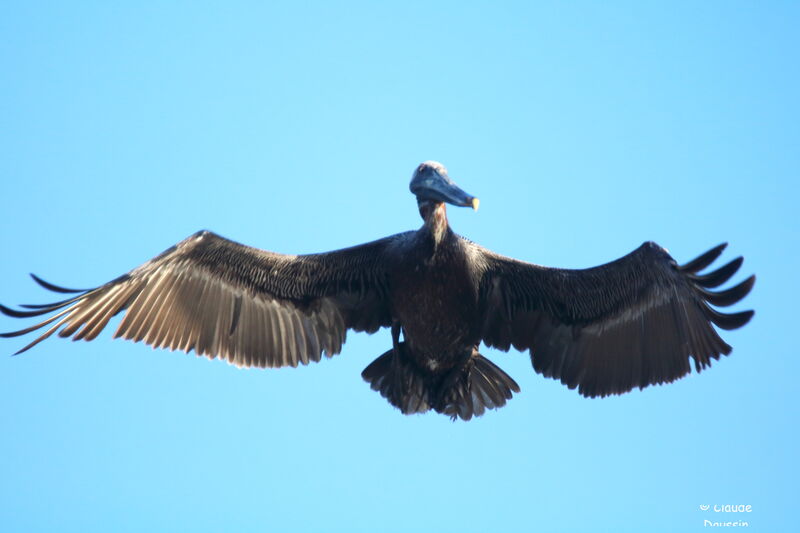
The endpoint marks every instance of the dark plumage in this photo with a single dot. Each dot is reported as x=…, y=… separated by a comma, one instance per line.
x=631, y=323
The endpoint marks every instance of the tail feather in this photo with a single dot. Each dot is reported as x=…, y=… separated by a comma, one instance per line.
x=399, y=382
x=464, y=392
x=478, y=385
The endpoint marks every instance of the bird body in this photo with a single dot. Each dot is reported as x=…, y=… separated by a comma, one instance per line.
x=434, y=297
x=633, y=322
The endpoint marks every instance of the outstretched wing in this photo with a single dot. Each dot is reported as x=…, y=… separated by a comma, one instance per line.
x=605, y=330
x=223, y=299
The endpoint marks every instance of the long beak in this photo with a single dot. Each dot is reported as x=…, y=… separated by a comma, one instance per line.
x=442, y=189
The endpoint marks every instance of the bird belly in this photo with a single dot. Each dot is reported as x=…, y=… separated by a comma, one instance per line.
x=437, y=311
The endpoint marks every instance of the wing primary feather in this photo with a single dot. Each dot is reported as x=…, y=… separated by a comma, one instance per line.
x=699, y=263
x=80, y=313
x=55, y=288
x=53, y=306
x=729, y=296
x=728, y=321
x=34, y=327
x=97, y=311
x=88, y=311
x=719, y=276
x=43, y=336
x=28, y=314
x=114, y=307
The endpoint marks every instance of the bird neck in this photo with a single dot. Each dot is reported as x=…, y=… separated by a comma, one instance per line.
x=435, y=216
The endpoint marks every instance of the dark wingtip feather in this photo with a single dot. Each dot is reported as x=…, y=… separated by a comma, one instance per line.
x=719, y=276
x=699, y=263
x=54, y=288
x=32, y=344
x=37, y=311
x=53, y=305
x=11, y=334
x=21, y=314
x=730, y=296
x=728, y=321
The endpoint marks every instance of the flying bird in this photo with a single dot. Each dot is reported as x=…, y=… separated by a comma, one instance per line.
x=634, y=322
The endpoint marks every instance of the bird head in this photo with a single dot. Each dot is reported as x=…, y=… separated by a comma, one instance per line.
x=431, y=184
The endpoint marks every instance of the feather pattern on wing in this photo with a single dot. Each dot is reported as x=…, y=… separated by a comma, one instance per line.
x=222, y=299
x=630, y=323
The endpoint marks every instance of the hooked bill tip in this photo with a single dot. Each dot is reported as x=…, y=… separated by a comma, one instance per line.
x=475, y=204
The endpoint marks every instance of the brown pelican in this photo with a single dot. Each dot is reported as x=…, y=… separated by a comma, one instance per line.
x=634, y=322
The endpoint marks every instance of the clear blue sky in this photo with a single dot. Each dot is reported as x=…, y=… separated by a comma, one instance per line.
x=585, y=129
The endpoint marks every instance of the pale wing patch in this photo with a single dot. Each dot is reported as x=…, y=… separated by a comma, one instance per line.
x=186, y=310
